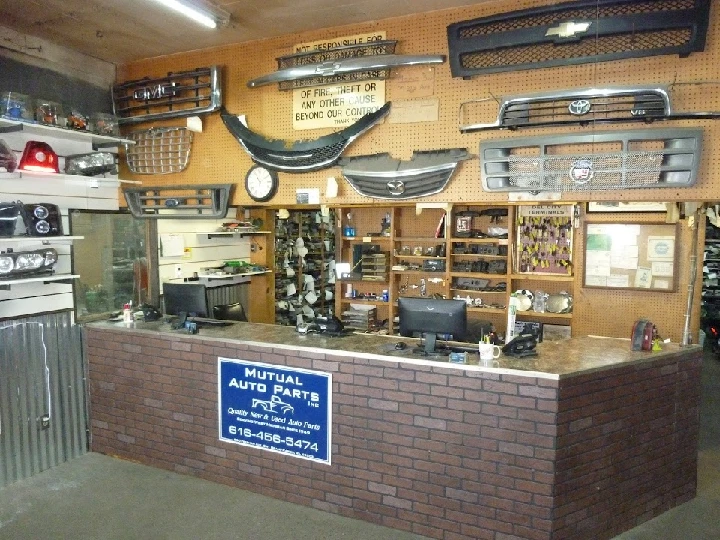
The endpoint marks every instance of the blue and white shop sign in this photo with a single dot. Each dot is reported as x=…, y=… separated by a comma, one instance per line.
x=276, y=408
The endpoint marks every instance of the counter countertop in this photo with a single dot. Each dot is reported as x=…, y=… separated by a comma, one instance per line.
x=557, y=359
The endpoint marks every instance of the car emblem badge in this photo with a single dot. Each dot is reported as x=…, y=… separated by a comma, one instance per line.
x=582, y=171
x=579, y=107
x=396, y=187
x=568, y=29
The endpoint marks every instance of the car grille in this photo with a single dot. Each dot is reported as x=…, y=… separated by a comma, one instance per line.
x=593, y=162
x=186, y=93
x=381, y=177
x=551, y=36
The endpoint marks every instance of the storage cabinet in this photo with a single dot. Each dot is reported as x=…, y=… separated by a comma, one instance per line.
x=467, y=252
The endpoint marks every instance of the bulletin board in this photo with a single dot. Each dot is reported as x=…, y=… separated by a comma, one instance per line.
x=638, y=256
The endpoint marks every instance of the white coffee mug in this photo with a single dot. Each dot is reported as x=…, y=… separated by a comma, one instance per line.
x=488, y=352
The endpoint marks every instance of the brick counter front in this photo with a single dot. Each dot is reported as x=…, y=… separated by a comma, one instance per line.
x=439, y=450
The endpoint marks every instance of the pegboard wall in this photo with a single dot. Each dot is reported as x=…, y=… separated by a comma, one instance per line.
x=217, y=156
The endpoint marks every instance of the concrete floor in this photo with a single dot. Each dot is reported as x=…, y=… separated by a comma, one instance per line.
x=102, y=498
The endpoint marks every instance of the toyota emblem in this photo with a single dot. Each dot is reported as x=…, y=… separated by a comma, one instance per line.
x=396, y=187
x=582, y=171
x=579, y=107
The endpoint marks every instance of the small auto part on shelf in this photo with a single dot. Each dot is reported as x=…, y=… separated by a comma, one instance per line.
x=76, y=120
x=578, y=32
x=577, y=106
x=39, y=157
x=382, y=177
x=191, y=201
x=159, y=150
x=49, y=112
x=22, y=263
x=299, y=156
x=8, y=161
x=42, y=219
x=180, y=94
x=11, y=222
x=561, y=302
x=91, y=164
x=341, y=66
x=650, y=158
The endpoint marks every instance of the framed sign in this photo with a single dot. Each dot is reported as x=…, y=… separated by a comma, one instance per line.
x=641, y=256
x=275, y=408
x=621, y=206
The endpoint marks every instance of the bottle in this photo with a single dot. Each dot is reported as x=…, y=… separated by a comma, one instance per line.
x=349, y=226
x=127, y=313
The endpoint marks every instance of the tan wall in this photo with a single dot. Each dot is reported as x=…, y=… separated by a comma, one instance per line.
x=217, y=156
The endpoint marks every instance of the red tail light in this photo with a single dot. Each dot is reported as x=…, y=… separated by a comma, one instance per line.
x=40, y=157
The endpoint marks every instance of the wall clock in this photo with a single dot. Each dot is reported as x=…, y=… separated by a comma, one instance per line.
x=261, y=183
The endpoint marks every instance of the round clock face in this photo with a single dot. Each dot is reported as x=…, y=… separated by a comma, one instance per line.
x=261, y=183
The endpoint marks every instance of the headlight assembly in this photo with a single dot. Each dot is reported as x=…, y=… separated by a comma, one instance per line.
x=23, y=263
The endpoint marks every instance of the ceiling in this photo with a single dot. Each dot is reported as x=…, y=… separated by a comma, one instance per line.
x=123, y=31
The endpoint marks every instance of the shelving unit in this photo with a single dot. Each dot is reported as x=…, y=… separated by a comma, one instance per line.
x=477, y=267
x=294, y=273
x=52, y=292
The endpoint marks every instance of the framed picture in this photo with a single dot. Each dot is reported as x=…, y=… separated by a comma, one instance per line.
x=621, y=206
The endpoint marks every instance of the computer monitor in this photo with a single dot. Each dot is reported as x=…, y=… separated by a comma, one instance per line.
x=432, y=318
x=188, y=298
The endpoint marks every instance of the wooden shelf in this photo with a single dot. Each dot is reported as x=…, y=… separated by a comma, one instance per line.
x=421, y=257
x=488, y=310
x=546, y=315
x=542, y=277
x=480, y=256
x=419, y=239
x=474, y=291
x=479, y=275
x=498, y=241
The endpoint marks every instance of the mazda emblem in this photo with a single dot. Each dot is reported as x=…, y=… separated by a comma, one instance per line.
x=579, y=107
x=396, y=187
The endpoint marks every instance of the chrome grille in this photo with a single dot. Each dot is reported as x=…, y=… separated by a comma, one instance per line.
x=644, y=158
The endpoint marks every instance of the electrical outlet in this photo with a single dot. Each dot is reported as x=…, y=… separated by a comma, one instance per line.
x=253, y=248
x=178, y=270
x=45, y=421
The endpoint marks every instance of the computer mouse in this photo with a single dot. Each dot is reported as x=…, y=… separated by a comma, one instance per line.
x=400, y=345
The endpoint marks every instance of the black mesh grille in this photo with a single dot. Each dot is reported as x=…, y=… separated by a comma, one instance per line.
x=297, y=160
x=590, y=13
x=590, y=47
x=577, y=32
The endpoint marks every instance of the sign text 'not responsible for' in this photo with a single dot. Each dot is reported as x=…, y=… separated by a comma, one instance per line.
x=337, y=105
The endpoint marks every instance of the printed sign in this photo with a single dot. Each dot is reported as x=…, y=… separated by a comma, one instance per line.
x=337, y=105
x=276, y=408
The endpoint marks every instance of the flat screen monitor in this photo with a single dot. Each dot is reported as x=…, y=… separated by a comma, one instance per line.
x=432, y=318
x=188, y=298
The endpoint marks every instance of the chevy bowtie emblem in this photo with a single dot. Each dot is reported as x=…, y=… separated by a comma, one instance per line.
x=579, y=107
x=582, y=171
x=396, y=187
x=568, y=29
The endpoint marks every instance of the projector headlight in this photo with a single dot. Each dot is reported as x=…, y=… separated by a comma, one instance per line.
x=27, y=262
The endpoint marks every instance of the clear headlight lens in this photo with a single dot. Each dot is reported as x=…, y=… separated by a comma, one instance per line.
x=6, y=264
x=24, y=262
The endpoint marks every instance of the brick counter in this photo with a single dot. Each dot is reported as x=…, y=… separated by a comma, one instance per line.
x=443, y=451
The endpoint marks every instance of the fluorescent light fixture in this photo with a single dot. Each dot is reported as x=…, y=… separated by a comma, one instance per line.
x=201, y=12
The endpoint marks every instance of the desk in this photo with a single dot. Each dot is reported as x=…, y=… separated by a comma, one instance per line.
x=586, y=440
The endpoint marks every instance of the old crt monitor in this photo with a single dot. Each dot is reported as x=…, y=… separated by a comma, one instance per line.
x=188, y=298
x=432, y=317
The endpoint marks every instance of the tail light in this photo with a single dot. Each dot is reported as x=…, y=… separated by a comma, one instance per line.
x=39, y=156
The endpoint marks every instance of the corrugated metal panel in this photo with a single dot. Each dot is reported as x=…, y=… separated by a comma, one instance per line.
x=227, y=294
x=41, y=376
